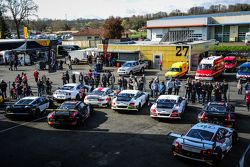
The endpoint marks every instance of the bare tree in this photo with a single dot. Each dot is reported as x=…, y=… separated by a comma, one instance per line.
x=21, y=10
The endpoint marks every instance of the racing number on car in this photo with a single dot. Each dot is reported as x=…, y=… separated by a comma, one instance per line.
x=180, y=49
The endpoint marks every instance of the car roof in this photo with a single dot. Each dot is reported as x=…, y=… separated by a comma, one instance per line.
x=30, y=98
x=207, y=127
x=178, y=64
x=129, y=91
x=218, y=103
x=246, y=64
x=170, y=97
x=72, y=84
x=103, y=89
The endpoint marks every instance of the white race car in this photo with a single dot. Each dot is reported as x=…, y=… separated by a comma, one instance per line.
x=69, y=91
x=130, y=100
x=168, y=106
x=204, y=142
x=100, y=97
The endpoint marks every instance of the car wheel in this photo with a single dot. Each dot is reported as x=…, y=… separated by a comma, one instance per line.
x=139, y=107
x=77, y=97
x=36, y=113
x=79, y=122
x=131, y=73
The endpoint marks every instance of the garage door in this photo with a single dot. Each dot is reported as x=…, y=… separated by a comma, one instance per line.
x=128, y=56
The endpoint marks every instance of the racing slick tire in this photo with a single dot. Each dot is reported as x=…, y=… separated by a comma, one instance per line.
x=36, y=113
x=139, y=107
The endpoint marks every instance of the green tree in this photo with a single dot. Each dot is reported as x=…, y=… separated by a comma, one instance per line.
x=4, y=32
x=113, y=28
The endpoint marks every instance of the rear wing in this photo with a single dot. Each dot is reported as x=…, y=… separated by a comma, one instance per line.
x=195, y=140
x=64, y=110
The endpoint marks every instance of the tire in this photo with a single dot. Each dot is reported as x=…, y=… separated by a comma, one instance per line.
x=37, y=113
x=79, y=122
x=139, y=107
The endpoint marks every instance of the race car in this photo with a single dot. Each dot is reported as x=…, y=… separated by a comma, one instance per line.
x=220, y=113
x=204, y=142
x=130, y=100
x=70, y=113
x=69, y=91
x=100, y=97
x=28, y=106
x=168, y=106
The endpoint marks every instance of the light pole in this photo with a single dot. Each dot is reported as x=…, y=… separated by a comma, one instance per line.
x=222, y=33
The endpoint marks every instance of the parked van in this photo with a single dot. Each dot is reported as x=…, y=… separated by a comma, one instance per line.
x=243, y=71
x=230, y=63
x=210, y=68
x=178, y=69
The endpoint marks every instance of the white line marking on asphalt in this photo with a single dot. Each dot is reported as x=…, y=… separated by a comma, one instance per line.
x=4, y=130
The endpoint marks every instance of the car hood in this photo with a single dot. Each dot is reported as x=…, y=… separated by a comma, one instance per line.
x=63, y=91
x=93, y=97
x=171, y=74
x=204, y=72
x=124, y=68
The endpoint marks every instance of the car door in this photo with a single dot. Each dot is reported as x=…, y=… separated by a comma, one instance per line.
x=43, y=104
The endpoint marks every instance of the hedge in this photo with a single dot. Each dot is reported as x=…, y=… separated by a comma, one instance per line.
x=230, y=48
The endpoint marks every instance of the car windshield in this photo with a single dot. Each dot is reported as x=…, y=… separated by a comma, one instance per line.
x=67, y=88
x=245, y=69
x=200, y=134
x=125, y=97
x=175, y=69
x=97, y=92
x=24, y=102
x=67, y=106
x=165, y=103
x=216, y=108
x=205, y=67
x=127, y=65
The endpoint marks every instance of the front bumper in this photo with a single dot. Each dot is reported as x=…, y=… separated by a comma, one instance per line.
x=205, y=78
x=167, y=116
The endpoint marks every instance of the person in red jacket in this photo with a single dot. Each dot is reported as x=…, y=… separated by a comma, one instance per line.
x=36, y=75
x=247, y=98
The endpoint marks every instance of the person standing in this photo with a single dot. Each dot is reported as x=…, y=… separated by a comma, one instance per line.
x=67, y=76
x=3, y=87
x=162, y=88
x=170, y=85
x=120, y=85
x=209, y=91
x=130, y=83
x=11, y=65
x=48, y=86
x=239, y=87
x=64, y=78
x=217, y=92
x=144, y=81
x=108, y=77
x=39, y=87
x=198, y=89
x=193, y=92
x=124, y=83
x=160, y=65
x=36, y=75
x=177, y=86
x=188, y=87
x=150, y=87
x=155, y=88
x=104, y=80
x=81, y=78
x=112, y=81
x=203, y=92
x=140, y=84
x=225, y=89
x=73, y=78
x=247, y=98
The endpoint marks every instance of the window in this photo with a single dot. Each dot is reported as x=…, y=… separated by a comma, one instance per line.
x=89, y=38
x=159, y=36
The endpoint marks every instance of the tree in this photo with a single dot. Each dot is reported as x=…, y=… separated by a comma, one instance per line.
x=21, y=10
x=4, y=32
x=113, y=28
x=196, y=10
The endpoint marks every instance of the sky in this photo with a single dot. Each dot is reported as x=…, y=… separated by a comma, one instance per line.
x=102, y=9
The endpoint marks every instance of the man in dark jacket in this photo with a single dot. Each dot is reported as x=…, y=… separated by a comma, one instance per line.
x=3, y=87
x=67, y=76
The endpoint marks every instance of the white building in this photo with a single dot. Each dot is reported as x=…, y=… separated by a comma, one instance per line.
x=222, y=26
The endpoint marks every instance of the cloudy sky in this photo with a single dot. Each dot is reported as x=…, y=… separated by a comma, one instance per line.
x=73, y=9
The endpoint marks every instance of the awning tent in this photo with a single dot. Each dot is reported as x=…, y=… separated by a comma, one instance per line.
x=30, y=46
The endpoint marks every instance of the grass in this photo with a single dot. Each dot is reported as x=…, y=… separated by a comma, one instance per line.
x=138, y=35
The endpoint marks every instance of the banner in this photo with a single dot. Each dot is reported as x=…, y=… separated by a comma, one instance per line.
x=25, y=33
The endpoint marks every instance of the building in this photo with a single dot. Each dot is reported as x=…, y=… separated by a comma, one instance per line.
x=154, y=52
x=224, y=27
x=88, y=34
